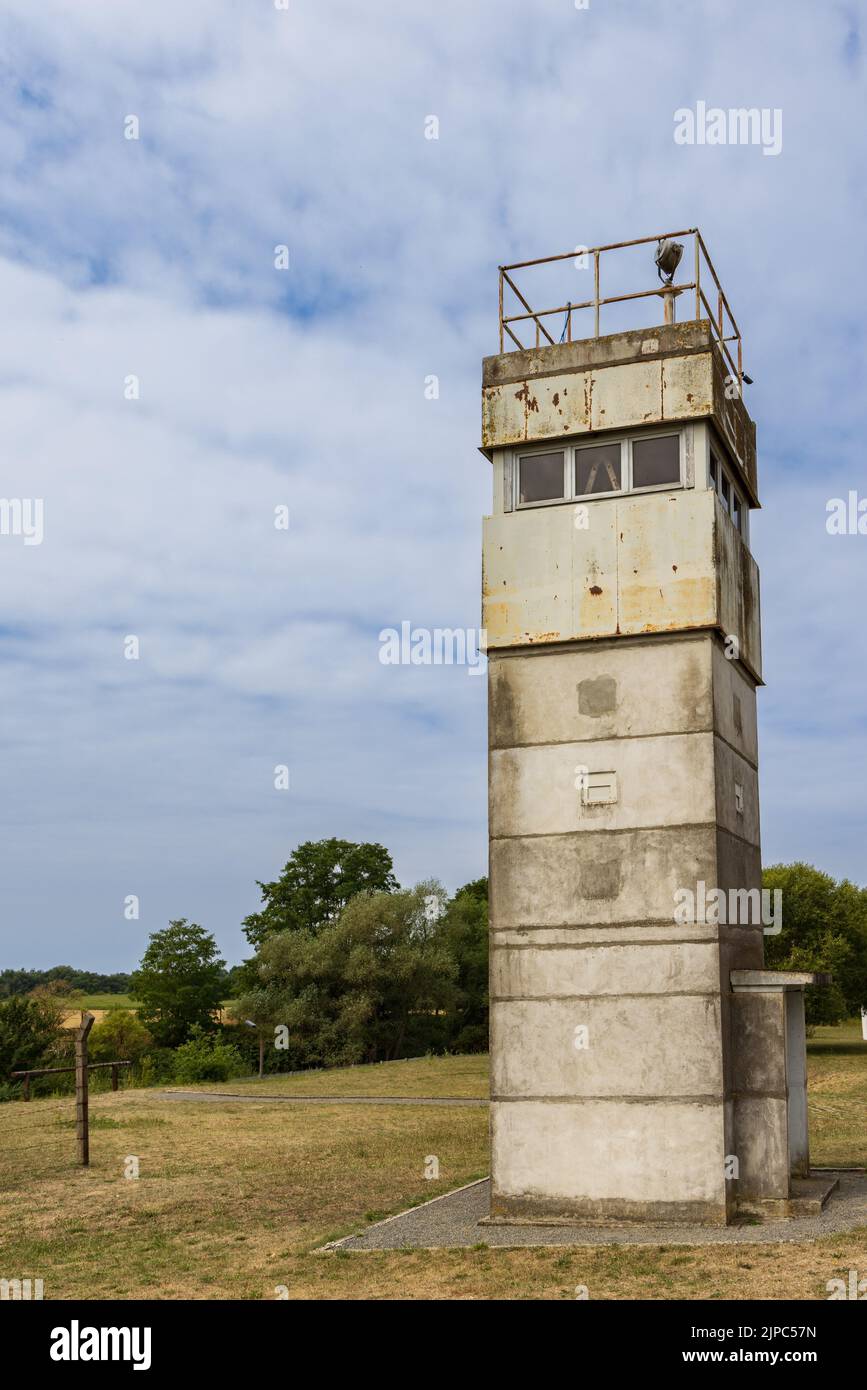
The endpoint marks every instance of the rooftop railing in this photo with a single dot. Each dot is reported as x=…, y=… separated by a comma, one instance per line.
x=695, y=260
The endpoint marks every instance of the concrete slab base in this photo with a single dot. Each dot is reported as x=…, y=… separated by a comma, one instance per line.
x=456, y=1220
x=808, y=1197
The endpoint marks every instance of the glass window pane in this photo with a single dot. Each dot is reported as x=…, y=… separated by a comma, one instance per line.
x=725, y=492
x=737, y=513
x=541, y=477
x=714, y=472
x=656, y=461
x=597, y=469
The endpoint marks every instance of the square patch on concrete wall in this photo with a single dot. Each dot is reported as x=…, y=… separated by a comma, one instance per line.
x=597, y=696
x=598, y=788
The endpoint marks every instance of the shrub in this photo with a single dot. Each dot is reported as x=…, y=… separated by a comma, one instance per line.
x=120, y=1036
x=472, y=1038
x=155, y=1068
x=205, y=1057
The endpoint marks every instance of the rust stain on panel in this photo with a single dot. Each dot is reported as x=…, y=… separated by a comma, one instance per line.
x=645, y=607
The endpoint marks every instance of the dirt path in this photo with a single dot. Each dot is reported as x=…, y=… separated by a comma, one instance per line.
x=320, y=1100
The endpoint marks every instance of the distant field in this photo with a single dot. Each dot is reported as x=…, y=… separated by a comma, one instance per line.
x=97, y=1004
x=101, y=1004
x=108, y=1001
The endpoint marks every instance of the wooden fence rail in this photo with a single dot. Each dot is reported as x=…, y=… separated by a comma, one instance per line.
x=50, y=1071
x=81, y=1069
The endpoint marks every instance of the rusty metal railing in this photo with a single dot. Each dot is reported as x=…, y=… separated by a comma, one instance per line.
x=704, y=277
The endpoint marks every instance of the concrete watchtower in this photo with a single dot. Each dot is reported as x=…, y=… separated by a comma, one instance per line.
x=644, y=1065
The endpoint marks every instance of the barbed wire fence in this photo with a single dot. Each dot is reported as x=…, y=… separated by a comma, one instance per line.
x=43, y=1127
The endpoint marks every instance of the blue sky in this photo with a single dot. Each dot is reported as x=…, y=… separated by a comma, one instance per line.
x=155, y=258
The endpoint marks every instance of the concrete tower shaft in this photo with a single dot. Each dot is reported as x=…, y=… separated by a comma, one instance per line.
x=640, y=1067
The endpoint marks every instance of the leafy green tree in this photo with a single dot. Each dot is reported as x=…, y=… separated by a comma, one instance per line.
x=824, y=927
x=360, y=988
x=180, y=982
x=240, y=978
x=463, y=929
x=120, y=1036
x=31, y=1033
x=61, y=990
x=320, y=878
x=262, y=1008
x=18, y=982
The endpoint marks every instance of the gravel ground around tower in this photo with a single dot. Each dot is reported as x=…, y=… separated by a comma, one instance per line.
x=455, y=1220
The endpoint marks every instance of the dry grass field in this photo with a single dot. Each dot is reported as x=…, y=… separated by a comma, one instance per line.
x=430, y=1077
x=232, y=1199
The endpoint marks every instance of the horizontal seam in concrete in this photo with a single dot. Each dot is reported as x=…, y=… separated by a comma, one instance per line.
x=517, y=650
x=618, y=994
x=737, y=751
x=758, y=1095
x=613, y=830
x=714, y=825
x=628, y=738
x=741, y=839
x=599, y=925
x=603, y=738
x=594, y=945
x=703, y=1100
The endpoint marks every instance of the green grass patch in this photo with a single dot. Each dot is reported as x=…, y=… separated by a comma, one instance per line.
x=106, y=1001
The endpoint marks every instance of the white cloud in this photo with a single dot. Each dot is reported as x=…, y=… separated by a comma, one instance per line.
x=260, y=387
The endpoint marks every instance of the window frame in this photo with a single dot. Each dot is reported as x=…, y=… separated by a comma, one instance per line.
x=598, y=444
x=625, y=439
x=658, y=487
x=726, y=477
x=516, y=475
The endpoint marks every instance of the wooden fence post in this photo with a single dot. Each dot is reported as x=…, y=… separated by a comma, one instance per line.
x=81, y=1114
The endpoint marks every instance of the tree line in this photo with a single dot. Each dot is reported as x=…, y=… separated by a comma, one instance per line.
x=90, y=981
x=348, y=967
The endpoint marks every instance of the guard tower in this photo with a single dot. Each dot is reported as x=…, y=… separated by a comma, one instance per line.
x=644, y=1065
